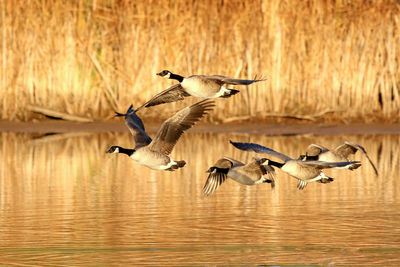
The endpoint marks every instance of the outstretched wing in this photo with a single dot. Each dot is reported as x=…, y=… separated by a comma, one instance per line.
x=172, y=129
x=260, y=149
x=234, y=162
x=301, y=184
x=172, y=94
x=256, y=166
x=327, y=165
x=136, y=127
x=271, y=174
x=315, y=150
x=214, y=180
x=351, y=148
x=227, y=80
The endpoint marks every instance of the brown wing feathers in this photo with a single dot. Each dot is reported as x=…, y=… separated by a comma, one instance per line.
x=173, y=128
x=172, y=94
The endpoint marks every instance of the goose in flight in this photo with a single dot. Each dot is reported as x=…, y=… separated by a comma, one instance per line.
x=213, y=86
x=155, y=153
x=251, y=173
x=305, y=171
x=340, y=153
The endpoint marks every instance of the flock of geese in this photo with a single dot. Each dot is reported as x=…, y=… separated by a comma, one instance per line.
x=154, y=153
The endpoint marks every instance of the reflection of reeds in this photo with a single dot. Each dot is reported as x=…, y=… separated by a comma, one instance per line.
x=69, y=193
x=87, y=58
x=84, y=158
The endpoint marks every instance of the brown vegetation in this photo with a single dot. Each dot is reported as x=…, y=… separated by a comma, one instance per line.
x=89, y=58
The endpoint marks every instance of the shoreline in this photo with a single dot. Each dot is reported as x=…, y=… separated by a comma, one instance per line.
x=244, y=128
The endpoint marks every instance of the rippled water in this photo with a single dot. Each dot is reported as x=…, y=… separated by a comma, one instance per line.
x=63, y=201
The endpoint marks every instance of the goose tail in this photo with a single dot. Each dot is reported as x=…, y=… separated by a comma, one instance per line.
x=180, y=163
x=230, y=93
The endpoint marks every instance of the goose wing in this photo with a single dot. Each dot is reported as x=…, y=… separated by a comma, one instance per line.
x=172, y=94
x=227, y=163
x=235, y=163
x=351, y=148
x=226, y=80
x=327, y=165
x=315, y=150
x=260, y=149
x=214, y=180
x=301, y=184
x=255, y=166
x=173, y=128
x=136, y=127
x=271, y=174
x=218, y=174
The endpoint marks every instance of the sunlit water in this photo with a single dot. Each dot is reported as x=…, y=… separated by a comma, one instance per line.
x=63, y=201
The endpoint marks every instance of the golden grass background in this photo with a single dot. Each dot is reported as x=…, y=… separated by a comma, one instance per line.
x=90, y=58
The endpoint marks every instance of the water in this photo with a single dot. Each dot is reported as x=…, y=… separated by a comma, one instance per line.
x=64, y=202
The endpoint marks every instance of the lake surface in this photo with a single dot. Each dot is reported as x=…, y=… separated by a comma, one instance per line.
x=65, y=202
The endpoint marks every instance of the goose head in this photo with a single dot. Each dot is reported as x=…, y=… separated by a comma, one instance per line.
x=165, y=73
x=308, y=157
x=263, y=161
x=118, y=149
x=113, y=149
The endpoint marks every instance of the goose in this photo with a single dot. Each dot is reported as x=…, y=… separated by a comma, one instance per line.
x=247, y=174
x=196, y=85
x=305, y=171
x=340, y=153
x=154, y=153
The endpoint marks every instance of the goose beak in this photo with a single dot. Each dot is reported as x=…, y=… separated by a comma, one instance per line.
x=159, y=74
x=110, y=150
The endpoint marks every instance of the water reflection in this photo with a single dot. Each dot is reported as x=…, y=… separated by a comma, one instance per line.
x=63, y=201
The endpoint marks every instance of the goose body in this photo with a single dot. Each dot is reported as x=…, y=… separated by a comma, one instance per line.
x=155, y=153
x=251, y=173
x=300, y=171
x=203, y=86
x=153, y=159
x=305, y=171
x=339, y=154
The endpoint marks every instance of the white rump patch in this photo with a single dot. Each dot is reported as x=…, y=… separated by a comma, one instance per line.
x=171, y=163
x=222, y=92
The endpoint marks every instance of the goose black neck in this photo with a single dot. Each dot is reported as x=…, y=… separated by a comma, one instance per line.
x=316, y=157
x=177, y=77
x=276, y=164
x=126, y=151
x=222, y=170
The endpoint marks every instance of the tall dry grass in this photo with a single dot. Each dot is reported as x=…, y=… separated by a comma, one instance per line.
x=91, y=57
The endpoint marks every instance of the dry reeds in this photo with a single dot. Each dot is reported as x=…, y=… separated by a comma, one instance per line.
x=89, y=58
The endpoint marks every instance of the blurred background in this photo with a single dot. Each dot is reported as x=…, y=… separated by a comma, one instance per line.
x=89, y=58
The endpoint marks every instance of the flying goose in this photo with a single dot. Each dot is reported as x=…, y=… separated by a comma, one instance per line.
x=247, y=174
x=154, y=153
x=195, y=85
x=305, y=171
x=340, y=153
